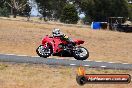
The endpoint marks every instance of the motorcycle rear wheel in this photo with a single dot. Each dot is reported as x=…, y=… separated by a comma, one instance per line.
x=81, y=53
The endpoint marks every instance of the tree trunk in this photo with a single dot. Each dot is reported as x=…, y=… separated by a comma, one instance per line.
x=28, y=18
x=11, y=11
x=14, y=12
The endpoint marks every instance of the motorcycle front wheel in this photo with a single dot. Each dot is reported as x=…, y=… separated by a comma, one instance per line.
x=81, y=53
x=81, y=80
x=43, y=52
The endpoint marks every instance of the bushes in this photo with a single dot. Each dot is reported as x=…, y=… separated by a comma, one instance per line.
x=4, y=11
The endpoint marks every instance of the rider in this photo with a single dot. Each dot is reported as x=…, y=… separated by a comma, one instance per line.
x=56, y=33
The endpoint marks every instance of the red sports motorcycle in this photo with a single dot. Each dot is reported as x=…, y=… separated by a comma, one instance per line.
x=58, y=46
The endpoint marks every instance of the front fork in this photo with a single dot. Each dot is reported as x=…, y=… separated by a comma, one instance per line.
x=45, y=45
x=76, y=47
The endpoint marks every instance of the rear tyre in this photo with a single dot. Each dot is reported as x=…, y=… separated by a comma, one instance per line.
x=43, y=52
x=81, y=53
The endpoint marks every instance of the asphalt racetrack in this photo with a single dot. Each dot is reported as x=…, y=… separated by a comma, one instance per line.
x=63, y=62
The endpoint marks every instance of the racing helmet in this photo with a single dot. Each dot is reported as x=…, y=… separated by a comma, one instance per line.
x=56, y=31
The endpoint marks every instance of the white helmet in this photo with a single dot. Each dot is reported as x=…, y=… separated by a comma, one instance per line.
x=56, y=31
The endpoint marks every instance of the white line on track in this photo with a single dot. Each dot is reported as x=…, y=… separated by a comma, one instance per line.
x=72, y=64
x=35, y=56
x=75, y=59
x=70, y=59
x=111, y=62
x=18, y=55
x=8, y=54
x=22, y=55
x=103, y=66
x=86, y=65
x=125, y=63
x=98, y=61
x=88, y=60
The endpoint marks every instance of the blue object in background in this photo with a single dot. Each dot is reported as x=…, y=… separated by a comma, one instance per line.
x=96, y=25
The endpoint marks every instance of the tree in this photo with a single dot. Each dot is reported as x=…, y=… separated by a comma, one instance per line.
x=121, y=8
x=45, y=7
x=130, y=9
x=3, y=9
x=1, y=3
x=51, y=8
x=87, y=6
x=58, y=8
x=100, y=10
x=69, y=14
x=16, y=5
x=26, y=12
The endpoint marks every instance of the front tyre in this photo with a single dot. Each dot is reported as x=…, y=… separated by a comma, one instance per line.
x=81, y=53
x=81, y=80
x=43, y=52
